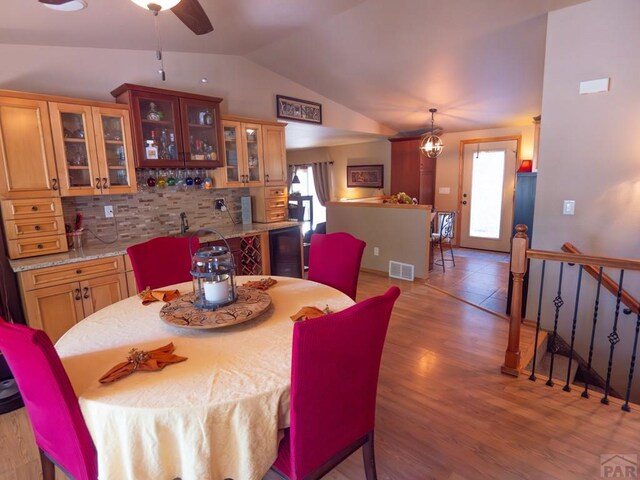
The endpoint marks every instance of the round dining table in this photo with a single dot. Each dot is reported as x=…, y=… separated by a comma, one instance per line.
x=217, y=415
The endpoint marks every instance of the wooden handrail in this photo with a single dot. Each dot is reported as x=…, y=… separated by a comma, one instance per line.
x=610, y=284
x=580, y=259
x=519, y=256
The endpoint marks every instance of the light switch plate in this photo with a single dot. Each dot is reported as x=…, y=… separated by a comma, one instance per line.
x=444, y=190
x=569, y=207
x=594, y=86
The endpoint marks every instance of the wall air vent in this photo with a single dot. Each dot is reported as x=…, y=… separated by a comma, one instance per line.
x=403, y=271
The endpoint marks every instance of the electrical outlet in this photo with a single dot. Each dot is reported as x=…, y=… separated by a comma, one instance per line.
x=376, y=251
x=220, y=204
x=108, y=211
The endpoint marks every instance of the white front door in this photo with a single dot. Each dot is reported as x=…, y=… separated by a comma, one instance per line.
x=488, y=182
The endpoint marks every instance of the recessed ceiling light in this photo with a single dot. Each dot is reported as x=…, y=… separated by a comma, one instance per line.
x=72, y=6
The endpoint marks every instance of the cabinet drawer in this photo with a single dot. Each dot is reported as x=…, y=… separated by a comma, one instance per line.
x=276, y=214
x=43, y=277
x=275, y=203
x=33, y=227
x=32, y=247
x=270, y=192
x=31, y=208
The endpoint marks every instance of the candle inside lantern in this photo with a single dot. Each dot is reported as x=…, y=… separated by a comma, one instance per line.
x=216, y=291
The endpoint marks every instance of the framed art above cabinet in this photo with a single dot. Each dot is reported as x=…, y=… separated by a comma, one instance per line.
x=173, y=129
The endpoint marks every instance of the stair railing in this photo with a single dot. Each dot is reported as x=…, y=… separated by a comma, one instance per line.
x=594, y=265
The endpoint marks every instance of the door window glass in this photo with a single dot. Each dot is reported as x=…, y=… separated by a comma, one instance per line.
x=486, y=194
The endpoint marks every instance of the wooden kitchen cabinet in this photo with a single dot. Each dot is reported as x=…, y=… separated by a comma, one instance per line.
x=243, y=154
x=93, y=148
x=56, y=298
x=33, y=227
x=275, y=155
x=26, y=148
x=269, y=204
x=182, y=128
x=412, y=172
x=254, y=153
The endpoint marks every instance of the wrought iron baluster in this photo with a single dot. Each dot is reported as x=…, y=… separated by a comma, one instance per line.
x=632, y=366
x=566, y=387
x=532, y=377
x=557, y=302
x=596, y=305
x=613, y=340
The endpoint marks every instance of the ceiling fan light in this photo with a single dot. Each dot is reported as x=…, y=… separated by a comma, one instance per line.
x=72, y=6
x=163, y=4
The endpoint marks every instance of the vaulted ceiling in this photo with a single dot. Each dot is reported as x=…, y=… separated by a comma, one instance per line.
x=479, y=62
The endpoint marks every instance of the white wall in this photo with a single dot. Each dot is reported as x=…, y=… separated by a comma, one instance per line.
x=590, y=153
x=247, y=89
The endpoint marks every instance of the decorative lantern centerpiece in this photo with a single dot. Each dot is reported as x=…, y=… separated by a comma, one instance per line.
x=213, y=272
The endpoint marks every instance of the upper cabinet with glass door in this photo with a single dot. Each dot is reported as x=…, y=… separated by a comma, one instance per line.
x=243, y=166
x=173, y=129
x=93, y=149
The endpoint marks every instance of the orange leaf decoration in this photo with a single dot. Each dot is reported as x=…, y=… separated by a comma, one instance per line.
x=306, y=313
x=140, y=360
x=149, y=296
x=262, y=284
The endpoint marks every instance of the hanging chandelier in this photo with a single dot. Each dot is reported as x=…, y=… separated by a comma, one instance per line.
x=431, y=145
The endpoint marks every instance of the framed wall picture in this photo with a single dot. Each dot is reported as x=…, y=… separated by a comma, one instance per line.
x=365, y=176
x=291, y=108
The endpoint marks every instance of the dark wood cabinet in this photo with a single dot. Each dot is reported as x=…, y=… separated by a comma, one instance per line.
x=523, y=207
x=412, y=172
x=173, y=129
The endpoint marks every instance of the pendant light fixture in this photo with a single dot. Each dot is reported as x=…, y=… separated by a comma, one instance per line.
x=157, y=4
x=431, y=145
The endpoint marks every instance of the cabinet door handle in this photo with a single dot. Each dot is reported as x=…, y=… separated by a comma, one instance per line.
x=79, y=271
x=34, y=208
x=37, y=228
x=266, y=177
x=54, y=181
x=105, y=185
x=85, y=292
x=98, y=187
x=40, y=246
x=77, y=290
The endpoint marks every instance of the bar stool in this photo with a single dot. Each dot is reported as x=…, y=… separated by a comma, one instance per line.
x=444, y=236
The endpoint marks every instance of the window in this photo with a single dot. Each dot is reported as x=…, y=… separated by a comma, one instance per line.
x=307, y=187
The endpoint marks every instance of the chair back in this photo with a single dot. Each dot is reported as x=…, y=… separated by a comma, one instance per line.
x=334, y=260
x=52, y=406
x=334, y=378
x=162, y=261
x=446, y=225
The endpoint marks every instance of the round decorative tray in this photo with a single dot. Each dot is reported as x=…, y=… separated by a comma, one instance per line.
x=181, y=312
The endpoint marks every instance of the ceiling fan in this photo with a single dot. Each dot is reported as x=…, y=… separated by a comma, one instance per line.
x=190, y=12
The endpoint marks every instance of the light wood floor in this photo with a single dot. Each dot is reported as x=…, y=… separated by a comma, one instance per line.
x=444, y=409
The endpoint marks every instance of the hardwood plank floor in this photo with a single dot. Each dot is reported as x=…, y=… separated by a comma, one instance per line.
x=446, y=412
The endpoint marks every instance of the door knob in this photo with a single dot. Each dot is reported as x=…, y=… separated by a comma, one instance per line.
x=464, y=202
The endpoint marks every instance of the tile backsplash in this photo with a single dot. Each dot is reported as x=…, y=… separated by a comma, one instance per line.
x=151, y=213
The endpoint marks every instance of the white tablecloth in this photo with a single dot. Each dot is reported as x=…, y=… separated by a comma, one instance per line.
x=214, y=416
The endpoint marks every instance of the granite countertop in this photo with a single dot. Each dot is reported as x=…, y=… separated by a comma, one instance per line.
x=120, y=247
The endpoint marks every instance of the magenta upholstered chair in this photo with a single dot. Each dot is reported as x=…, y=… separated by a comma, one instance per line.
x=162, y=261
x=334, y=260
x=334, y=378
x=60, y=431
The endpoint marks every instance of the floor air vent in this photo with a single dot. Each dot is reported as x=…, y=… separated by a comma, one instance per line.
x=403, y=271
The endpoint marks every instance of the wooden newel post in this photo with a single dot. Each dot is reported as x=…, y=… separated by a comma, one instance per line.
x=519, y=246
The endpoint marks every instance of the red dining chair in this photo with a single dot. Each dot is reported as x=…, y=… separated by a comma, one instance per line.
x=60, y=431
x=334, y=260
x=334, y=377
x=162, y=261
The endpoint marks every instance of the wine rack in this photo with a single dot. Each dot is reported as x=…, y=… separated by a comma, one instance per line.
x=251, y=255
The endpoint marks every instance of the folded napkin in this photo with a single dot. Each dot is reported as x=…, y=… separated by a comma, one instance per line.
x=140, y=360
x=306, y=313
x=148, y=296
x=262, y=284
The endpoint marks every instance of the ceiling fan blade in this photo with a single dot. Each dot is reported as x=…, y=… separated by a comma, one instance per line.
x=191, y=13
x=55, y=2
